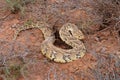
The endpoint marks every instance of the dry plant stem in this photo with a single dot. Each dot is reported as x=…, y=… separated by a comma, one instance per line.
x=4, y=17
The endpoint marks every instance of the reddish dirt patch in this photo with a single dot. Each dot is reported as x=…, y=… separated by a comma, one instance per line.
x=102, y=60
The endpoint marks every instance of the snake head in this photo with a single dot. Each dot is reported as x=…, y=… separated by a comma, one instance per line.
x=78, y=34
x=74, y=31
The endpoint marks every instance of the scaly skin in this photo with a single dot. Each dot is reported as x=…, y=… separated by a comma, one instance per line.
x=69, y=33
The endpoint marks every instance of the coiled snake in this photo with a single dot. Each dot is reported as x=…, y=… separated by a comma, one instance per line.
x=69, y=33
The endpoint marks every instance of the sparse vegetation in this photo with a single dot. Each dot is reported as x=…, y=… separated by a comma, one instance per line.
x=10, y=70
x=21, y=58
x=18, y=5
x=108, y=11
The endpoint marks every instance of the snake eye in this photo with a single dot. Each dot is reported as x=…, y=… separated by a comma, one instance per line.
x=79, y=35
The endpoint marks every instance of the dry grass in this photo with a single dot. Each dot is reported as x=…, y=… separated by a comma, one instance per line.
x=108, y=11
x=18, y=5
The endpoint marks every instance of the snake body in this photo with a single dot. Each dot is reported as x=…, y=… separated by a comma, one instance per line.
x=69, y=33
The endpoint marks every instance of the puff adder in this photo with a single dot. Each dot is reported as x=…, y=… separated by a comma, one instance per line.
x=69, y=33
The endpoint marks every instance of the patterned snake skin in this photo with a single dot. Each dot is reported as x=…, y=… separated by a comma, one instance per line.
x=69, y=33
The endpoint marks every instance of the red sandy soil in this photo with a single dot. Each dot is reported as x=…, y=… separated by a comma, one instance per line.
x=101, y=62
